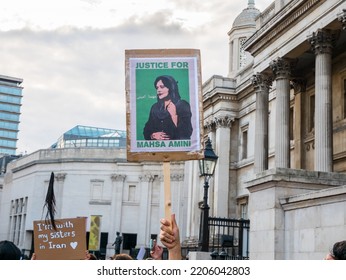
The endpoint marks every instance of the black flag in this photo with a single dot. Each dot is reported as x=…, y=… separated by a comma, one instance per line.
x=50, y=202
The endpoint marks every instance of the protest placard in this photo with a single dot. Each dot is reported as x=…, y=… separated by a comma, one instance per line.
x=164, y=105
x=67, y=242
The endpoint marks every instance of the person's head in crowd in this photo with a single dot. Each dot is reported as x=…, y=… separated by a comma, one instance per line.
x=122, y=257
x=9, y=251
x=90, y=256
x=338, y=252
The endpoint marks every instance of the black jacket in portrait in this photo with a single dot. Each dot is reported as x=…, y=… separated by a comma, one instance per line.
x=161, y=121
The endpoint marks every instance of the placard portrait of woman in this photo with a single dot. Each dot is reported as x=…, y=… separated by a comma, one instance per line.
x=163, y=105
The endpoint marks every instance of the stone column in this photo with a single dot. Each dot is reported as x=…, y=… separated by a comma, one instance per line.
x=221, y=176
x=261, y=83
x=144, y=209
x=193, y=184
x=322, y=44
x=282, y=70
x=118, y=182
x=299, y=86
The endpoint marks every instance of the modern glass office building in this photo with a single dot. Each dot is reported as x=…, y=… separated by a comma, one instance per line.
x=86, y=136
x=10, y=104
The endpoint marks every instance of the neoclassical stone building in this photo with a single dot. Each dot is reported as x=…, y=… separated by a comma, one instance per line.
x=278, y=125
x=89, y=180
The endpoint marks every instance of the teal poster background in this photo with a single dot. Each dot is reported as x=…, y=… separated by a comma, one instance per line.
x=146, y=93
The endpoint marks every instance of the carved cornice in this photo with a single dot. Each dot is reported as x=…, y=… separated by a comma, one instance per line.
x=222, y=96
x=208, y=126
x=299, y=85
x=322, y=41
x=310, y=145
x=160, y=178
x=173, y=177
x=261, y=82
x=118, y=177
x=177, y=177
x=60, y=177
x=218, y=97
x=223, y=121
x=219, y=121
x=282, y=67
x=342, y=18
x=146, y=178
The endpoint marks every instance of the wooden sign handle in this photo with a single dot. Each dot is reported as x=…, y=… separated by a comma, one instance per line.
x=167, y=189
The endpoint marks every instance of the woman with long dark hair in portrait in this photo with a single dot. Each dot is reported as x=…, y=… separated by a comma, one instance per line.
x=170, y=116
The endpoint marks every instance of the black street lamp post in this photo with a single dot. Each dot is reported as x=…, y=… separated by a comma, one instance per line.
x=206, y=169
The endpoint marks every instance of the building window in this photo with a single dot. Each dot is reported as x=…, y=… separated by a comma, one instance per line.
x=231, y=55
x=243, y=211
x=244, y=141
x=96, y=190
x=155, y=194
x=243, y=207
x=344, y=96
x=18, y=219
x=291, y=117
x=132, y=193
x=312, y=112
x=242, y=53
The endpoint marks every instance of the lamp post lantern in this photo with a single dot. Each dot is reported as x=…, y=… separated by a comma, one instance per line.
x=206, y=169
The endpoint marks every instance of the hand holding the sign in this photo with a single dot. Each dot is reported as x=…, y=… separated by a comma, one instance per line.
x=169, y=236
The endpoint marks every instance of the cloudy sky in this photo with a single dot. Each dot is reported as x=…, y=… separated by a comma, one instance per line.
x=70, y=54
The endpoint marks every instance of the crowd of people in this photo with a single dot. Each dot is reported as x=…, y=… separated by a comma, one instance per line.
x=169, y=237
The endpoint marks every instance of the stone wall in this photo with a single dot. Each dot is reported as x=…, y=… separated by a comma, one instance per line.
x=296, y=214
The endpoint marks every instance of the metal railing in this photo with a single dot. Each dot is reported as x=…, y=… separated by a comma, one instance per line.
x=229, y=238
